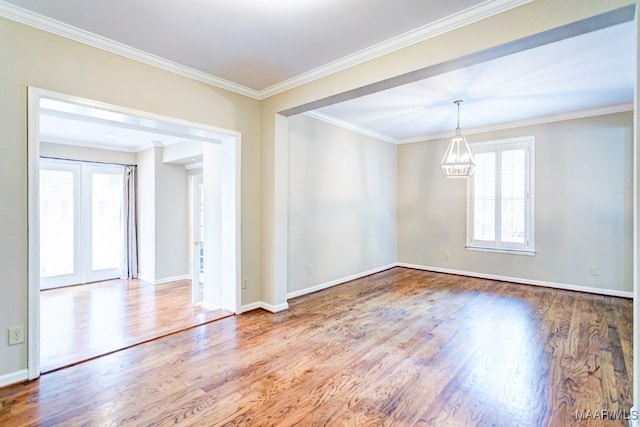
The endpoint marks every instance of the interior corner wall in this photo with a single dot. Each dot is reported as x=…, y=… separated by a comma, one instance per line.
x=163, y=220
x=583, y=206
x=342, y=198
x=172, y=221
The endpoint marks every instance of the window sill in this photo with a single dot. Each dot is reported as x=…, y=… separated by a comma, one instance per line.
x=525, y=252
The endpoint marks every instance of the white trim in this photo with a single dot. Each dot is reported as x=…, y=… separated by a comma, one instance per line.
x=501, y=250
x=340, y=281
x=172, y=279
x=33, y=232
x=633, y=417
x=265, y=306
x=520, y=280
x=275, y=308
x=280, y=218
x=468, y=16
x=250, y=307
x=231, y=142
x=14, y=377
x=24, y=16
x=497, y=147
x=349, y=126
x=592, y=112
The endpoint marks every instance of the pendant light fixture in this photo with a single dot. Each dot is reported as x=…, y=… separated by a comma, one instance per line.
x=458, y=161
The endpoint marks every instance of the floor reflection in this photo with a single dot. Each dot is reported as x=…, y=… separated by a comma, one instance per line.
x=82, y=322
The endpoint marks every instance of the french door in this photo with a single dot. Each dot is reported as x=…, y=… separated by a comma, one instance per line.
x=80, y=208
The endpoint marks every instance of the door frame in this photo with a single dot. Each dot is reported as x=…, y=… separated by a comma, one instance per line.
x=230, y=142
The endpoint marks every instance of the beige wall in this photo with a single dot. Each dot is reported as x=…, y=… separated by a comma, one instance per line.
x=342, y=203
x=583, y=206
x=32, y=57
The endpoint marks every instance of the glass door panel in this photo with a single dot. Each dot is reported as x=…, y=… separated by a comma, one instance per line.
x=80, y=237
x=106, y=204
x=57, y=225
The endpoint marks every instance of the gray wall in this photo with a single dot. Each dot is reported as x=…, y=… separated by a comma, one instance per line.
x=172, y=221
x=583, y=206
x=342, y=198
x=163, y=220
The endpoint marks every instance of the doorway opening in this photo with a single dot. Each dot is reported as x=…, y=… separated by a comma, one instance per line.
x=73, y=222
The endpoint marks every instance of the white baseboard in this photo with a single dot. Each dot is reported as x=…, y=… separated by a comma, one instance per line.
x=326, y=285
x=568, y=287
x=264, y=305
x=518, y=280
x=171, y=279
x=249, y=307
x=14, y=377
x=155, y=281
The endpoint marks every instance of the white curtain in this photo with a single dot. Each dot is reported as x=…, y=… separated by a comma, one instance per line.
x=129, y=265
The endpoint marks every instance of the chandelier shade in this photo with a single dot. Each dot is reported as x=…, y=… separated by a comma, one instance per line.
x=458, y=161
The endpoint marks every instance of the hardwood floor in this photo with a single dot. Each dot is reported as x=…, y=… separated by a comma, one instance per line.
x=82, y=322
x=401, y=347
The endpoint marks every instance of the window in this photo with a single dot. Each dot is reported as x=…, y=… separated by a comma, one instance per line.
x=500, y=208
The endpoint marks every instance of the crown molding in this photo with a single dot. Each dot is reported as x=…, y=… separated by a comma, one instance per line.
x=50, y=25
x=468, y=16
x=601, y=111
x=350, y=126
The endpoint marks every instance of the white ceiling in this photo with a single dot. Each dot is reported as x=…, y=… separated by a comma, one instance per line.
x=76, y=131
x=258, y=44
x=66, y=122
x=593, y=71
x=255, y=43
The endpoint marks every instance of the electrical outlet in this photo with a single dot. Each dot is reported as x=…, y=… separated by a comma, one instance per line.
x=447, y=256
x=16, y=335
x=245, y=283
x=593, y=270
x=309, y=270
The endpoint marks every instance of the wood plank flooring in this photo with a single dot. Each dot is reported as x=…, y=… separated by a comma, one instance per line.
x=85, y=321
x=398, y=348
